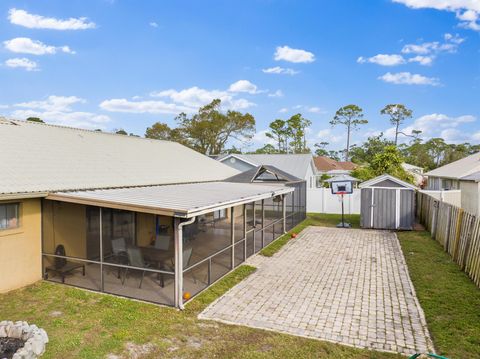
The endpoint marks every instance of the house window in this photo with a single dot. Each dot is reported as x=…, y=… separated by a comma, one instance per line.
x=9, y=215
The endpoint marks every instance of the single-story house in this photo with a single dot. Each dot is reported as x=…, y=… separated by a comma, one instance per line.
x=416, y=172
x=327, y=165
x=141, y=218
x=470, y=193
x=298, y=165
x=447, y=177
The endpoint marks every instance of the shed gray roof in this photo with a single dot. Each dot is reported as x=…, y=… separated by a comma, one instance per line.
x=38, y=157
x=386, y=177
x=458, y=169
x=251, y=175
x=183, y=200
x=472, y=177
x=294, y=164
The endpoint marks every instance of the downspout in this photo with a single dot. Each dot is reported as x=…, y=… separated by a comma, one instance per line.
x=179, y=261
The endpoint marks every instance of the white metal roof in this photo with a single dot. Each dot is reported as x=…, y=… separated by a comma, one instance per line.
x=294, y=164
x=342, y=178
x=472, y=177
x=38, y=157
x=372, y=182
x=183, y=200
x=458, y=169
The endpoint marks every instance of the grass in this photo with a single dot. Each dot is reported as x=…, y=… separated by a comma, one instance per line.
x=450, y=300
x=84, y=324
x=313, y=219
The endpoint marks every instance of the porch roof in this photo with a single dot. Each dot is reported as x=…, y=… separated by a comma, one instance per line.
x=182, y=200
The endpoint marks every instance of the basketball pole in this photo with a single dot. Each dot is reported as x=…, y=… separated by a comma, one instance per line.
x=343, y=214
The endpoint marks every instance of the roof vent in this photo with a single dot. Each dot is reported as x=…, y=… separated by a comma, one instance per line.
x=4, y=121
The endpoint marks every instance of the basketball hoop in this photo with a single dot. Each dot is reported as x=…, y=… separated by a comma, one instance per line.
x=341, y=188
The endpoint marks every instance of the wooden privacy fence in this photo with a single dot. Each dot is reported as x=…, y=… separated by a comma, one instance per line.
x=456, y=230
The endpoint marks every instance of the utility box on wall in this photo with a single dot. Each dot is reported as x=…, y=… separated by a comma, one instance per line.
x=387, y=203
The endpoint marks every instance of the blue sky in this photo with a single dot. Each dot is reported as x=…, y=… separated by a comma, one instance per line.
x=127, y=64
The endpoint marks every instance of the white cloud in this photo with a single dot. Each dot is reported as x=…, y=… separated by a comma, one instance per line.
x=243, y=86
x=407, y=78
x=422, y=60
x=383, y=60
x=152, y=106
x=293, y=55
x=315, y=109
x=187, y=100
x=467, y=11
x=153, y=24
x=31, y=21
x=22, y=62
x=53, y=103
x=311, y=109
x=280, y=70
x=283, y=110
x=58, y=110
x=277, y=93
x=195, y=97
x=260, y=138
x=438, y=125
x=327, y=135
x=25, y=45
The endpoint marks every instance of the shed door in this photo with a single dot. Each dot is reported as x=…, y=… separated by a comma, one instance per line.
x=407, y=209
x=384, y=204
x=366, y=208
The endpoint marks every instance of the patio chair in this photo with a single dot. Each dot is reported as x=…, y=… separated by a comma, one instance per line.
x=135, y=259
x=187, y=256
x=61, y=266
x=162, y=242
x=119, y=245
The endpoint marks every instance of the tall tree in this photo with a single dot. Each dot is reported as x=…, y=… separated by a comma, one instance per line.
x=436, y=148
x=297, y=129
x=161, y=131
x=267, y=149
x=350, y=116
x=279, y=133
x=121, y=131
x=398, y=113
x=321, y=149
x=209, y=130
x=387, y=161
x=35, y=119
x=364, y=154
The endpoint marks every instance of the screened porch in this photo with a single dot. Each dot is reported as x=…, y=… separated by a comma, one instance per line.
x=158, y=257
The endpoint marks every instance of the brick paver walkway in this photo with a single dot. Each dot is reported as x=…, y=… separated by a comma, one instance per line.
x=348, y=286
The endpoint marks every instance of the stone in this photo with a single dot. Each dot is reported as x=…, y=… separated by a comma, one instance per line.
x=348, y=286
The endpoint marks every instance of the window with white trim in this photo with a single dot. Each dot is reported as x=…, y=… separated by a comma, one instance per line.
x=9, y=216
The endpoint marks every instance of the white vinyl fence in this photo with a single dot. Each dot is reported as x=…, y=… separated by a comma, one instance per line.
x=321, y=200
x=453, y=196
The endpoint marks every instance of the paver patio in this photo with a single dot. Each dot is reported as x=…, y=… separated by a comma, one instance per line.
x=348, y=286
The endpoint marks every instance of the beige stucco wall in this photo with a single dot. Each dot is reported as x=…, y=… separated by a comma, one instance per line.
x=20, y=248
x=65, y=223
x=469, y=197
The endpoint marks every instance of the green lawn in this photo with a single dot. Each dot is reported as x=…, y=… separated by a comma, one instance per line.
x=83, y=324
x=313, y=219
x=450, y=300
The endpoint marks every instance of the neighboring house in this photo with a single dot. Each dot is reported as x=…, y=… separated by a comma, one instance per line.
x=298, y=165
x=327, y=165
x=142, y=218
x=416, y=172
x=447, y=177
x=470, y=193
